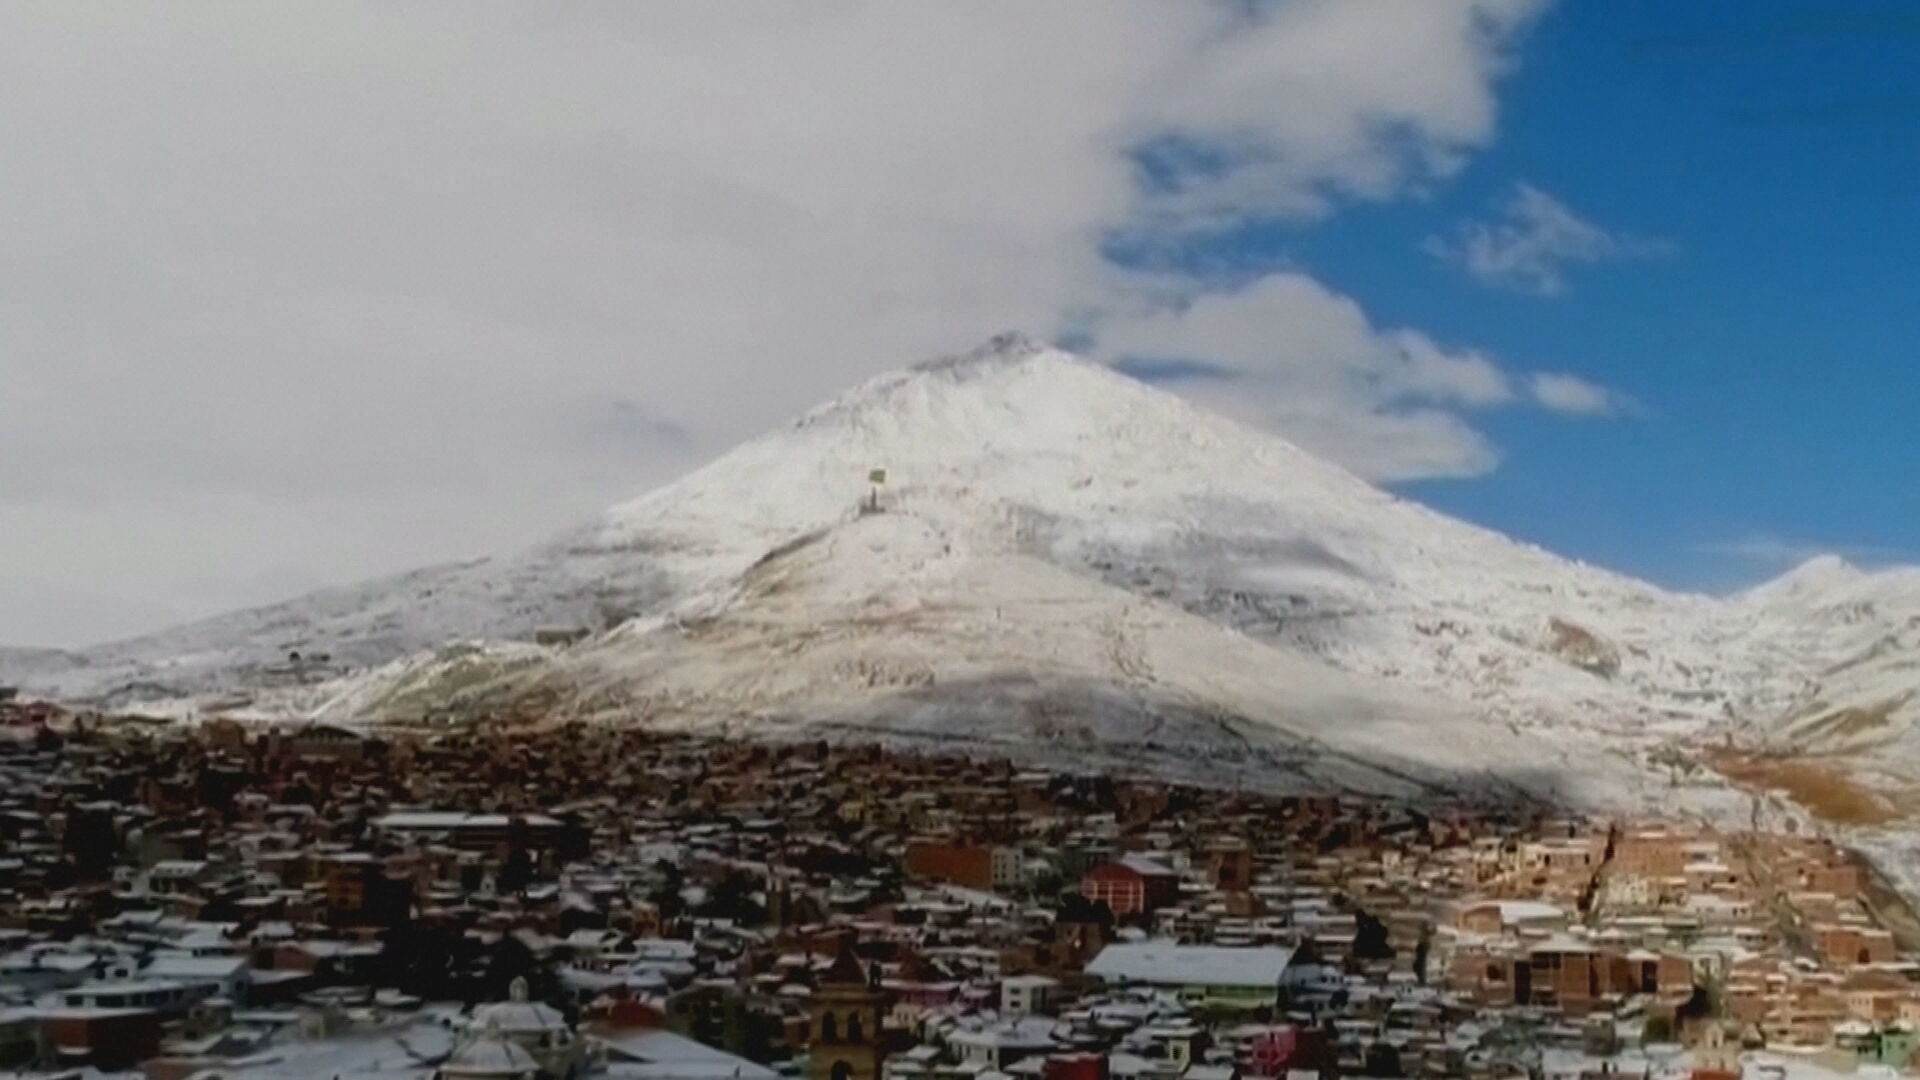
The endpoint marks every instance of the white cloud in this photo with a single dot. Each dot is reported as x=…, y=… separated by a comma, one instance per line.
x=1304, y=103
x=1535, y=241
x=1289, y=352
x=1285, y=351
x=1770, y=553
x=1422, y=370
x=1574, y=396
x=1766, y=550
x=297, y=295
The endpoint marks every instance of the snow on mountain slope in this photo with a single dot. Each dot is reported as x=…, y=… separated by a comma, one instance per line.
x=1861, y=695
x=1180, y=579
x=924, y=628
x=34, y=662
x=1117, y=479
x=339, y=630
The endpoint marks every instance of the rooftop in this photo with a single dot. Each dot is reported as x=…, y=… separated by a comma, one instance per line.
x=1165, y=963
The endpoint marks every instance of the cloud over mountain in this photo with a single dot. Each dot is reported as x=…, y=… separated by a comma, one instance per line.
x=1533, y=243
x=315, y=270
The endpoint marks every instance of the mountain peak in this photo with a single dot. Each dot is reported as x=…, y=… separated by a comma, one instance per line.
x=1010, y=391
x=1817, y=576
x=1019, y=546
x=1010, y=346
x=1824, y=567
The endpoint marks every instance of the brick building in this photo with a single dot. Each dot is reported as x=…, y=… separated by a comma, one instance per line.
x=1134, y=885
x=974, y=866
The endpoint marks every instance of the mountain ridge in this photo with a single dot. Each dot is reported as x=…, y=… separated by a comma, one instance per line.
x=1113, y=496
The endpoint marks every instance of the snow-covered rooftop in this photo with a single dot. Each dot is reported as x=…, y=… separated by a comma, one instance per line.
x=1163, y=963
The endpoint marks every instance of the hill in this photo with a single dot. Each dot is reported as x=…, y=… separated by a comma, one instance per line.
x=1065, y=561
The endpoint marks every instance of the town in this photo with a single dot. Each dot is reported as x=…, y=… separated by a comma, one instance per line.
x=229, y=900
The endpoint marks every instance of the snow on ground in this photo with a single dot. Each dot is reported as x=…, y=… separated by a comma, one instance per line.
x=1069, y=559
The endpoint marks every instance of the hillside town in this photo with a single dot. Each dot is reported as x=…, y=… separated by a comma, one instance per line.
x=225, y=900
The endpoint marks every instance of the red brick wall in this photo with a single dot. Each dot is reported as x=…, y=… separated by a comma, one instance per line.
x=1650, y=857
x=1121, y=889
x=959, y=864
x=1841, y=881
x=111, y=1041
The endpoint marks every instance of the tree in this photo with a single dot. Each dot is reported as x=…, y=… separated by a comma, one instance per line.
x=732, y=898
x=517, y=872
x=91, y=842
x=1382, y=1059
x=418, y=960
x=666, y=895
x=1370, y=938
x=510, y=959
x=1657, y=1029
x=1075, y=908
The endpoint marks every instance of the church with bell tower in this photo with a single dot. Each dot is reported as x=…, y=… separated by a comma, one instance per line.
x=844, y=1021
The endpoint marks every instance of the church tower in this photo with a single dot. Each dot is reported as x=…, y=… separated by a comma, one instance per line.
x=844, y=1018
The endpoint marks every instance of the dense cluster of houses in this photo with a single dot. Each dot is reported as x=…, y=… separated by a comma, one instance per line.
x=223, y=900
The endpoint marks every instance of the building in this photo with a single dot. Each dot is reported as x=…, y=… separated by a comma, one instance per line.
x=656, y=1054
x=1132, y=885
x=1845, y=946
x=535, y=1028
x=1213, y=975
x=997, y=1046
x=1230, y=864
x=329, y=742
x=974, y=866
x=360, y=892
x=109, y=1039
x=490, y=1056
x=222, y=976
x=1026, y=995
x=1650, y=853
x=472, y=832
x=1510, y=917
x=844, y=1018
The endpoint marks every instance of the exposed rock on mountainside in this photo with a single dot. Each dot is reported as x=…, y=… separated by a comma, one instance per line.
x=1579, y=647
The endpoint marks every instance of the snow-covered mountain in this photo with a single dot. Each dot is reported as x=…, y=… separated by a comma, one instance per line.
x=1062, y=557
x=1852, y=642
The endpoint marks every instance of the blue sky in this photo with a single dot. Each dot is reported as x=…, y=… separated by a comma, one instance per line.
x=295, y=297
x=1770, y=352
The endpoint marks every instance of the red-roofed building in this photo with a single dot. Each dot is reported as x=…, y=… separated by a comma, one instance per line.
x=1134, y=885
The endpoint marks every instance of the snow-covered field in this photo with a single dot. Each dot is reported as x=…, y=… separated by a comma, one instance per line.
x=1070, y=562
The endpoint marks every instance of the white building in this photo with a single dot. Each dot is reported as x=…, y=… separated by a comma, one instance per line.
x=1025, y=995
x=537, y=1028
